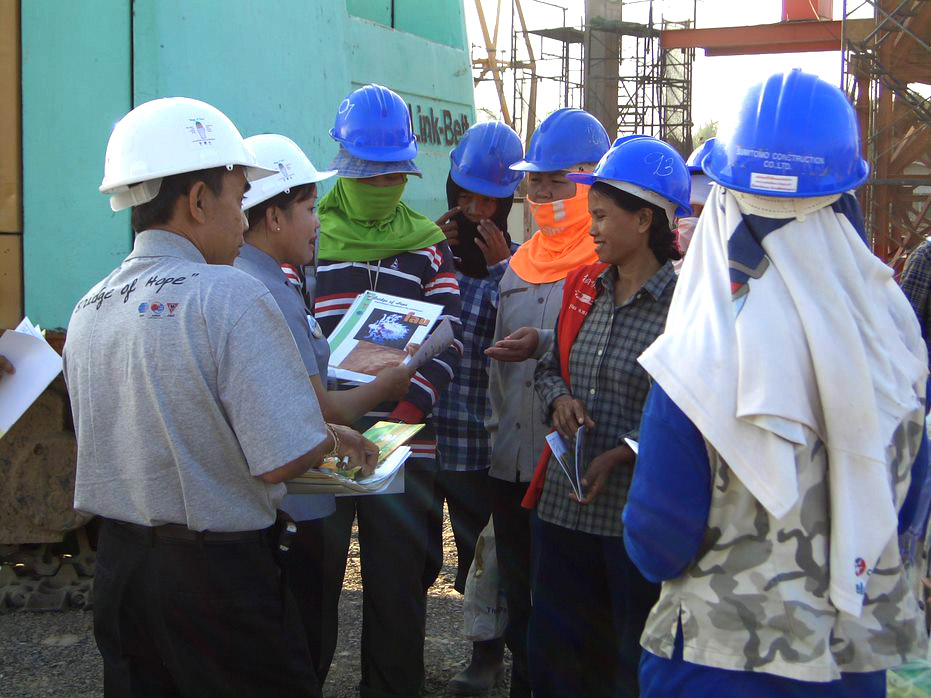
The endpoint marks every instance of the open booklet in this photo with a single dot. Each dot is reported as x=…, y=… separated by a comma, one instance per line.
x=36, y=365
x=570, y=462
x=378, y=331
x=333, y=477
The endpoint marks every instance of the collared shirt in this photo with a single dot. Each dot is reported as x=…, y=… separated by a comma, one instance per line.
x=605, y=376
x=462, y=440
x=314, y=349
x=916, y=285
x=185, y=386
x=517, y=422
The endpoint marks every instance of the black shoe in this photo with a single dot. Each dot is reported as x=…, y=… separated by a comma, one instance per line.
x=485, y=671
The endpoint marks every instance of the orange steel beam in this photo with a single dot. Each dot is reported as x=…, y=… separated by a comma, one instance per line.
x=784, y=37
x=802, y=47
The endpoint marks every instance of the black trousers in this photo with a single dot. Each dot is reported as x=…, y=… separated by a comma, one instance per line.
x=175, y=618
x=512, y=542
x=303, y=566
x=392, y=542
x=467, y=495
x=590, y=604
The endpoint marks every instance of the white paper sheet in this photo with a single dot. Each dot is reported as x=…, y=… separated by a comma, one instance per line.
x=36, y=365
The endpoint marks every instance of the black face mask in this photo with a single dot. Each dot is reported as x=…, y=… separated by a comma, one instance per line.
x=470, y=260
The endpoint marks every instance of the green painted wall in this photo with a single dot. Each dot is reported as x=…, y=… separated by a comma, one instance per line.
x=426, y=74
x=277, y=66
x=373, y=10
x=272, y=67
x=76, y=85
x=442, y=21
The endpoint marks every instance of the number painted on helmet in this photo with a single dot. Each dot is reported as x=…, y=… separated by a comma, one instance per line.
x=662, y=164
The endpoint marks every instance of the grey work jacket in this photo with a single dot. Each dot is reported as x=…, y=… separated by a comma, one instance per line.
x=518, y=422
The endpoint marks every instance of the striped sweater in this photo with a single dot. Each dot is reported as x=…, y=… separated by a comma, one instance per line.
x=426, y=275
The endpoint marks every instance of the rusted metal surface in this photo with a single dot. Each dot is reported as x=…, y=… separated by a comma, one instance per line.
x=895, y=120
x=785, y=37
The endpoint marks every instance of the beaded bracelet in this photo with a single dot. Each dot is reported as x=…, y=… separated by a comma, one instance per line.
x=334, y=452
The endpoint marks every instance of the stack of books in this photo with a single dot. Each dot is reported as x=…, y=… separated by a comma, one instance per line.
x=334, y=477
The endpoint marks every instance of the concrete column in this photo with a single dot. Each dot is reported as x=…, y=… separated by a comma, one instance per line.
x=602, y=61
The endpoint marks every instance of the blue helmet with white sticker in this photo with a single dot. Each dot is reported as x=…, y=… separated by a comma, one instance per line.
x=794, y=136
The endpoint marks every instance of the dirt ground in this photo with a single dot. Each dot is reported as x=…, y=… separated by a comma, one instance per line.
x=53, y=654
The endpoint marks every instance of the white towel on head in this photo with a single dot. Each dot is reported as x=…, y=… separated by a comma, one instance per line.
x=780, y=324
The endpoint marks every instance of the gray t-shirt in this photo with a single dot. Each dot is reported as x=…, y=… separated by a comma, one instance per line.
x=315, y=352
x=186, y=385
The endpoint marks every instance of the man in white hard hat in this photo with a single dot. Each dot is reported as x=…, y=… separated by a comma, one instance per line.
x=186, y=385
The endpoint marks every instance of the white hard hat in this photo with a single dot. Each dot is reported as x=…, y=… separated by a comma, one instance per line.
x=292, y=167
x=166, y=137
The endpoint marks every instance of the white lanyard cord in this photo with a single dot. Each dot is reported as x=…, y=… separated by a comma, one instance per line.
x=368, y=267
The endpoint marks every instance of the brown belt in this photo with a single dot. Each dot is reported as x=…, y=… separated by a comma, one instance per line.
x=176, y=533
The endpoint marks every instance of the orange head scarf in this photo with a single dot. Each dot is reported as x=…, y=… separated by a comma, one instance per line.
x=561, y=244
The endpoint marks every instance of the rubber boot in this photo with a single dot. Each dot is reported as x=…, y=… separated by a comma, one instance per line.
x=484, y=672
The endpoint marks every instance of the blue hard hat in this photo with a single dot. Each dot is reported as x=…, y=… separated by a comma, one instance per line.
x=795, y=136
x=650, y=165
x=374, y=123
x=481, y=162
x=566, y=138
x=694, y=161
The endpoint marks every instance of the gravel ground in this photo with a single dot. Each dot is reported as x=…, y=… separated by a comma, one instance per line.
x=53, y=654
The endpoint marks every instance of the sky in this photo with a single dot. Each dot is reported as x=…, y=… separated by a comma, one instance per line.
x=717, y=82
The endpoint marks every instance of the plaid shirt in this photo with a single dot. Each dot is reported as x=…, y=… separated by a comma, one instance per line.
x=916, y=284
x=462, y=440
x=607, y=378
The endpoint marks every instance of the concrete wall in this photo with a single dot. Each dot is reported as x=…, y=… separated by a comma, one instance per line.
x=276, y=66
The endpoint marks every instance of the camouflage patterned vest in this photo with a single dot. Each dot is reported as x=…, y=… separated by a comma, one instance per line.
x=755, y=598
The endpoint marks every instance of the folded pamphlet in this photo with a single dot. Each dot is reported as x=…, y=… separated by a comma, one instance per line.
x=438, y=342
x=569, y=460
